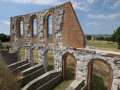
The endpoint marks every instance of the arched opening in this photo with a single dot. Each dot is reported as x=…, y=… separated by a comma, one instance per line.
x=68, y=66
x=21, y=28
x=50, y=28
x=34, y=27
x=68, y=71
x=99, y=75
x=49, y=56
x=35, y=56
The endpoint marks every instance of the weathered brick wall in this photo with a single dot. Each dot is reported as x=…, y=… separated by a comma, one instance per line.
x=67, y=37
x=72, y=34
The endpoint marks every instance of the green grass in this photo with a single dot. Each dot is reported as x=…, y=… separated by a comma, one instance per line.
x=97, y=83
x=103, y=45
x=63, y=85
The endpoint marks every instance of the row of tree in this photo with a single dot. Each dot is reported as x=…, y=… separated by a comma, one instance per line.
x=115, y=37
x=4, y=38
x=99, y=37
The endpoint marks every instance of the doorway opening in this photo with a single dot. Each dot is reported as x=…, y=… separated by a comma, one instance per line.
x=99, y=75
x=50, y=59
x=68, y=71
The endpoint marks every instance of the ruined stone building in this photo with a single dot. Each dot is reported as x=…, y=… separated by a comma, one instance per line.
x=31, y=36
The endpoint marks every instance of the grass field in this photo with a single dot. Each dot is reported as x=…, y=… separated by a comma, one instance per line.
x=103, y=45
x=63, y=85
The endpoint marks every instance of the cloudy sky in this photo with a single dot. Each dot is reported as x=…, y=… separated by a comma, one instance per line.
x=95, y=16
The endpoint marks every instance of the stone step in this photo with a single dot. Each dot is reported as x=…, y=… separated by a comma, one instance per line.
x=16, y=64
x=31, y=69
x=30, y=74
x=21, y=68
x=45, y=82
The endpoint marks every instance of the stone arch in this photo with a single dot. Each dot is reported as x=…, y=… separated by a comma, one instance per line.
x=20, y=27
x=50, y=13
x=33, y=25
x=91, y=68
x=49, y=57
x=64, y=64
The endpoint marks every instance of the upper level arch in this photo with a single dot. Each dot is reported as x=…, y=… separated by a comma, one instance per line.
x=33, y=25
x=48, y=26
x=20, y=27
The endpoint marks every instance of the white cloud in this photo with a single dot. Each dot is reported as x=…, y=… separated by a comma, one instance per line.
x=4, y=26
x=116, y=4
x=91, y=1
x=97, y=16
x=5, y=22
x=93, y=23
x=40, y=2
x=81, y=5
x=103, y=16
x=114, y=16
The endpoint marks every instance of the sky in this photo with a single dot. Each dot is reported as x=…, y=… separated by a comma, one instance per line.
x=95, y=16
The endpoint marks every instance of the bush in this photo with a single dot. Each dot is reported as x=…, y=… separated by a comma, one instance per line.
x=89, y=37
x=7, y=79
x=1, y=46
x=116, y=36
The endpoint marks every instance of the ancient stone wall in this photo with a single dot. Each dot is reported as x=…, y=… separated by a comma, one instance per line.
x=67, y=37
x=83, y=57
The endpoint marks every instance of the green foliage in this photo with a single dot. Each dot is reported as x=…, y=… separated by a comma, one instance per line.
x=4, y=38
x=89, y=37
x=97, y=83
x=116, y=35
x=1, y=46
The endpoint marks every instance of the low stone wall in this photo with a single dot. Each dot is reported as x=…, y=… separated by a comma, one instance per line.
x=21, y=68
x=77, y=85
x=31, y=69
x=45, y=82
x=30, y=74
x=16, y=64
x=51, y=83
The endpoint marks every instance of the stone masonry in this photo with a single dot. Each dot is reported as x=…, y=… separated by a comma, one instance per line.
x=67, y=37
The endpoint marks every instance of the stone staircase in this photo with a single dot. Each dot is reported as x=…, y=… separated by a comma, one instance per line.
x=30, y=74
x=34, y=77
x=25, y=72
x=46, y=81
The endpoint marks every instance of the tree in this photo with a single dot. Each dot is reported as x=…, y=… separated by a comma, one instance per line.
x=89, y=37
x=116, y=36
x=1, y=46
x=4, y=38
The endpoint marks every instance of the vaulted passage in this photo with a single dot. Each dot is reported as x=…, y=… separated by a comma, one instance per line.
x=100, y=75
